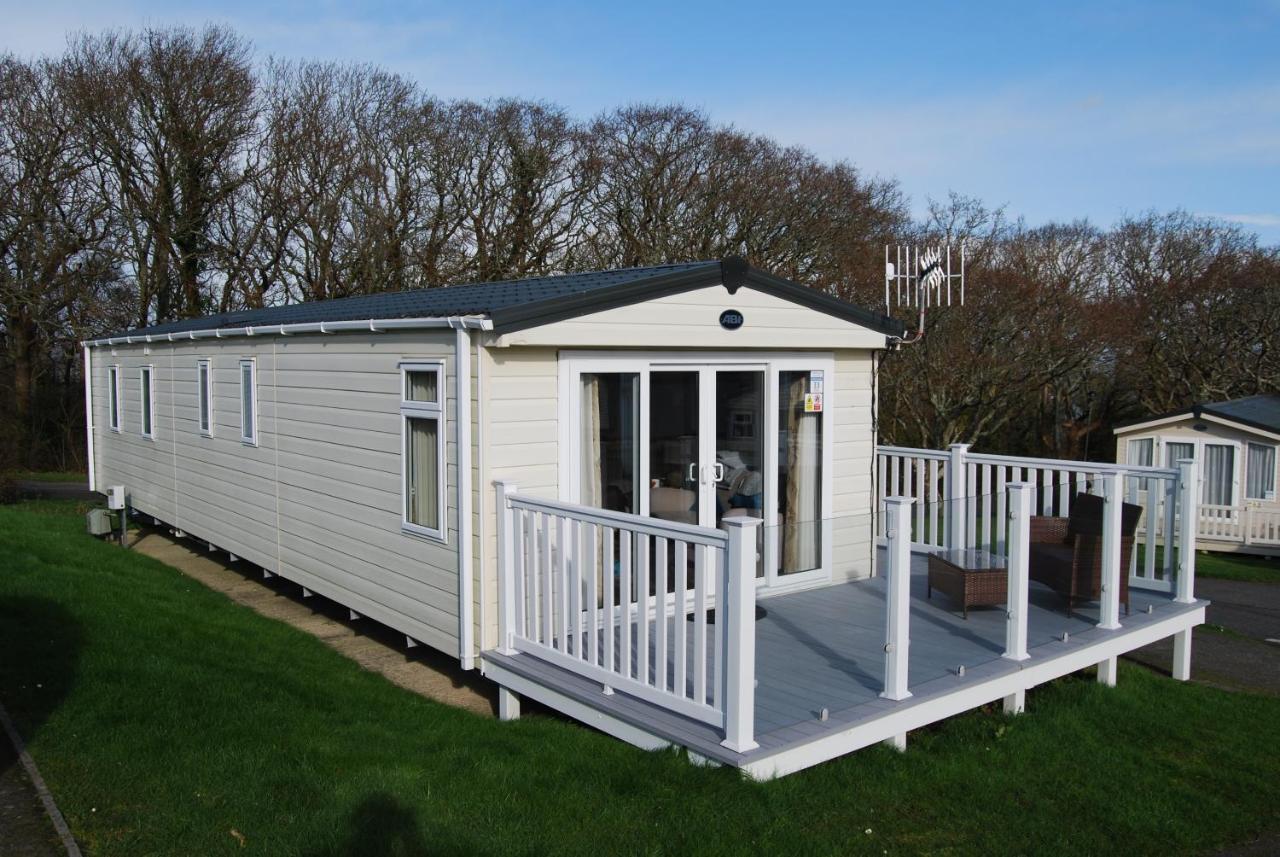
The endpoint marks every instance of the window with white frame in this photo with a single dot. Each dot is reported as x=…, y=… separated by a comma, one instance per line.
x=249, y=401
x=1260, y=472
x=204, y=395
x=422, y=412
x=1141, y=452
x=113, y=396
x=147, y=401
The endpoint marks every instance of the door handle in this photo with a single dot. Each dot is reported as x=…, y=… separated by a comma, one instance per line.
x=717, y=470
x=693, y=471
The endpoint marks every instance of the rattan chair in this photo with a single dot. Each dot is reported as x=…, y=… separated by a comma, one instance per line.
x=1066, y=553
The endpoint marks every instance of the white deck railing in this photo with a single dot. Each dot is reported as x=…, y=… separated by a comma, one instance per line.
x=622, y=600
x=1246, y=525
x=960, y=499
x=1023, y=499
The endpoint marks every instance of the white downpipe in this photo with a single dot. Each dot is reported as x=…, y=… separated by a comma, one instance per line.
x=88, y=414
x=462, y=416
x=482, y=531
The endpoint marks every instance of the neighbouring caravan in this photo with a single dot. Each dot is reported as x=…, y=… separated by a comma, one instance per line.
x=351, y=445
x=1234, y=446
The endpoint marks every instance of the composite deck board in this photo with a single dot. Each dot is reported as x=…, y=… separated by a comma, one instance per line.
x=824, y=649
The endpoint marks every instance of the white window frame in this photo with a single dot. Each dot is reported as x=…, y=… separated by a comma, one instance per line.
x=252, y=363
x=204, y=396
x=1198, y=444
x=147, y=408
x=424, y=410
x=115, y=404
x=1275, y=481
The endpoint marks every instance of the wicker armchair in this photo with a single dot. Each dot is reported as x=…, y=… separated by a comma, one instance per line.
x=1066, y=553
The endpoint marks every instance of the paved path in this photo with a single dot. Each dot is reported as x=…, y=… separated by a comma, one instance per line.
x=1231, y=649
x=25, y=828
x=370, y=644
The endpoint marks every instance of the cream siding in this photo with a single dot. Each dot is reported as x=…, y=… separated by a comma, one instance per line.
x=692, y=319
x=318, y=500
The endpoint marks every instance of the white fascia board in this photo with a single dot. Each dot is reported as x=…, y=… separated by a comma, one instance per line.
x=1209, y=418
x=375, y=325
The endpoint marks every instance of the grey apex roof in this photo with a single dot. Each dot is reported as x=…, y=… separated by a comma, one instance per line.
x=517, y=304
x=1261, y=412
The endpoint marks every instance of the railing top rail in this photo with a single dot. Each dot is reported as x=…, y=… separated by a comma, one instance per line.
x=1081, y=466
x=913, y=452
x=636, y=523
x=1043, y=463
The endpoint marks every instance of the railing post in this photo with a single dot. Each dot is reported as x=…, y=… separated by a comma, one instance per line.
x=1022, y=501
x=956, y=493
x=898, y=599
x=1112, y=504
x=506, y=567
x=1190, y=523
x=738, y=611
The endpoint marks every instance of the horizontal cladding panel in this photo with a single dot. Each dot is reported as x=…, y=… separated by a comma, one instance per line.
x=381, y=362
x=415, y=598
x=358, y=596
x=383, y=421
x=434, y=587
x=326, y=450
x=366, y=523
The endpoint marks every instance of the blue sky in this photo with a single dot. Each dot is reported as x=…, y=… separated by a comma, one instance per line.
x=1057, y=111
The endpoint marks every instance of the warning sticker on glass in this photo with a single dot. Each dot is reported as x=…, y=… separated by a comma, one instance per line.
x=813, y=403
x=815, y=382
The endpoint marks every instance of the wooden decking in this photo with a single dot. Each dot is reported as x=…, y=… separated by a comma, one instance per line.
x=823, y=649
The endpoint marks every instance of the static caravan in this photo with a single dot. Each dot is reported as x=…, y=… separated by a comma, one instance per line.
x=649, y=498
x=1234, y=445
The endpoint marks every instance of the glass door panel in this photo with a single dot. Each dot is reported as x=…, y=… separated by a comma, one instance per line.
x=610, y=441
x=799, y=473
x=674, y=465
x=738, y=470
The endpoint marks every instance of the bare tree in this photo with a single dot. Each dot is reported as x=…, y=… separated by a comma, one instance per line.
x=170, y=113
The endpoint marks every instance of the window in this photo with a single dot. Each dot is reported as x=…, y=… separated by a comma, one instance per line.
x=1260, y=472
x=1141, y=452
x=1219, y=475
x=249, y=401
x=147, y=401
x=422, y=410
x=113, y=396
x=204, y=392
x=1175, y=451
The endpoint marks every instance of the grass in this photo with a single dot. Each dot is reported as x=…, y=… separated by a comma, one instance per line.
x=50, y=475
x=169, y=720
x=1226, y=566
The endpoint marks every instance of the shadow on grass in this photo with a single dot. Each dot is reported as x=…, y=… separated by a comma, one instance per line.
x=40, y=645
x=382, y=825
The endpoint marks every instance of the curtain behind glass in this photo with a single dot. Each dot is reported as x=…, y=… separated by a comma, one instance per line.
x=1260, y=476
x=1140, y=452
x=146, y=401
x=246, y=400
x=801, y=502
x=423, y=472
x=1175, y=452
x=609, y=440
x=1219, y=467
x=421, y=387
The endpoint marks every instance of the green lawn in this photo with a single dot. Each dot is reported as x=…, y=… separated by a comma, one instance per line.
x=50, y=476
x=169, y=720
x=1227, y=566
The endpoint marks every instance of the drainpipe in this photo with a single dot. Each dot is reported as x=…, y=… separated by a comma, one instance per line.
x=88, y=414
x=462, y=417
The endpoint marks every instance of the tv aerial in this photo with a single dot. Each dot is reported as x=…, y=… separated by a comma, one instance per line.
x=922, y=277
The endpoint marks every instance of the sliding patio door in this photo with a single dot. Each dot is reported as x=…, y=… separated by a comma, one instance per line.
x=705, y=443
